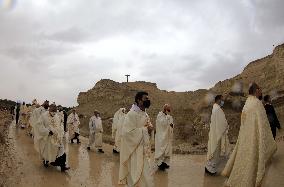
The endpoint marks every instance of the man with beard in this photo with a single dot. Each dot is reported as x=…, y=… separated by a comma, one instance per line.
x=135, y=145
x=255, y=145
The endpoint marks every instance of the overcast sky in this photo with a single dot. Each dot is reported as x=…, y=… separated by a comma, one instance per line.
x=53, y=49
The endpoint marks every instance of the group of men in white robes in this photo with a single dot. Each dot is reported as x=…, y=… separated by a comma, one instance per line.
x=254, y=148
x=48, y=133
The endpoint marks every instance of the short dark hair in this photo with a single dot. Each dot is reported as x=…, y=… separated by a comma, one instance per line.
x=139, y=96
x=218, y=97
x=266, y=98
x=252, y=89
x=53, y=108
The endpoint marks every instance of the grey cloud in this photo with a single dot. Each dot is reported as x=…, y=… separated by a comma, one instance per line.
x=54, y=48
x=72, y=35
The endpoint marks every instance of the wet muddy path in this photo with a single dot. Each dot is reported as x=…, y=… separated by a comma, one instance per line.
x=89, y=168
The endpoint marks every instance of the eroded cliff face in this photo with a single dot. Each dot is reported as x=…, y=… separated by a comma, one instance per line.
x=191, y=110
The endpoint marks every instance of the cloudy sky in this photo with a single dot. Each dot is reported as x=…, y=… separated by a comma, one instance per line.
x=54, y=49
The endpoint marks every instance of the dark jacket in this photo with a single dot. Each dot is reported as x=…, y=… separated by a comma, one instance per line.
x=272, y=118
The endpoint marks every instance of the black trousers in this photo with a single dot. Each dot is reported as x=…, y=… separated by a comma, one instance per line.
x=76, y=137
x=60, y=161
x=273, y=129
x=17, y=118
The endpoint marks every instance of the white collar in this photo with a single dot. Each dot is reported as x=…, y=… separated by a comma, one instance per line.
x=136, y=108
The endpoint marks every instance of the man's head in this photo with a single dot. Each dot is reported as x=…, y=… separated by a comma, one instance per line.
x=267, y=99
x=124, y=110
x=97, y=113
x=45, y=104
x=24, y=103
x=219, y=100
x=60, y=108
x=167, y=109
x=142, y=100
x=34, y=102
x=52, y=109
x=74, y=111
x=255, y=90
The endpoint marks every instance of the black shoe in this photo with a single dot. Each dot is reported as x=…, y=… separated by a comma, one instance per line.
x=208, y=172
x=166, y=165
x=45, y=163
x=162, y=167
x=89, y=148
x=115, y=151
x=63, y=169
x=101, y=151
x=53, y=163
x=78, y=142
x=72, y=141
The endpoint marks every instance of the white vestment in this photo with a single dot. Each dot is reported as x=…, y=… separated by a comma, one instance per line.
x=218, y=142
x=73, y=125
x=96, y=132
x=117, y=124
x=61, y=117
x=135, y=150
x=163, y=138
x=35, y=116
x=254, y=148
x=49, y=146
x=24, y=115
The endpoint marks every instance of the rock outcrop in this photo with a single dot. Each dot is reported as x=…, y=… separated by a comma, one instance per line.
x=191, y=110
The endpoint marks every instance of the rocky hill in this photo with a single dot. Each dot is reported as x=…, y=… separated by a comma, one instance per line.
x=191, y=110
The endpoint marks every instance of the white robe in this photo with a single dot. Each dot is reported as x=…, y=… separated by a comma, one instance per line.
x=99, y=133
x=163, y=138
x=135, y=150
x=35, y=116
x=218, y=142
x=254, y=148
x=117, y=124
x=96, y=132
x=49, y=146
x=73, y=125
x=24, y=115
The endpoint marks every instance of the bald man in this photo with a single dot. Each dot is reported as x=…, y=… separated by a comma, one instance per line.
x=164, y=138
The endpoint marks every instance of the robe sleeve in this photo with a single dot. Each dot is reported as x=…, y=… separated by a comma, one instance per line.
x=41, y=129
